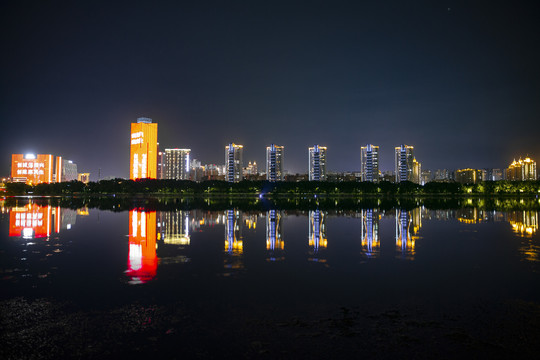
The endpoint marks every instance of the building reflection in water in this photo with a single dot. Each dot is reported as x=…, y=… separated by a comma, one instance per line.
x=251, y=221
x=173, y=227
x=525, y=224
x=408, y=223
x=470, y=215
x=142, y=258
x=370, y=233
x=34, y=221
x=317, y=235
x=234, y=246
x=274, y=235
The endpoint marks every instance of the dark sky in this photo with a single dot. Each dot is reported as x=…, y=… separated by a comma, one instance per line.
x=459, y=80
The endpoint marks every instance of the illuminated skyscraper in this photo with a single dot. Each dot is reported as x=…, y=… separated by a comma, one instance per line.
x=369, y=157
x=144, y=151
x=404, y=158
x=161, y=165
x=522, y=170
x=468, y=176
x=317, y=163
x=177, y=164
x=417, y=172
x=66, y=170
x=32, y=169
x=274, y=163
x=233, y=162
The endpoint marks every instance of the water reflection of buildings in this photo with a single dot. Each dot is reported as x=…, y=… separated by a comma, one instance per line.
x=234, y=246
x=317, y=235
x=173, y=227
x=251, y=221
x=525, y=224
x=142, y=258
x=408, y=223
x=36, y=221
x=370, y=232
x=274, y=235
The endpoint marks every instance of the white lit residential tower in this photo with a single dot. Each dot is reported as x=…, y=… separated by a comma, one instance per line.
x=317, y=163
x=370, y=163
x=233, y=162
x=177, y=164
x=404, y=163
x=274, y=163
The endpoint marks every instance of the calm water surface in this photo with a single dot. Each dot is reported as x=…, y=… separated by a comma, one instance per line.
x=273, y=264
x=292, y=256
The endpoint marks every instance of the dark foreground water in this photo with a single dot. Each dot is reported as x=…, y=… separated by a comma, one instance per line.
x=277, y=284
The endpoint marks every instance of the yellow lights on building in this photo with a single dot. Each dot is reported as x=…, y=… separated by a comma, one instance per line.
x=143, y=150
x=468, y=176
x=521, y=170
x=83, y=177
x=234, y=162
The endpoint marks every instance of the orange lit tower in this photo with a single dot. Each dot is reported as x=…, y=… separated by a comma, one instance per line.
x=144, y=151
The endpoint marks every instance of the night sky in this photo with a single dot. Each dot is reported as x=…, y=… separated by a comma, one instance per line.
x=458, y=81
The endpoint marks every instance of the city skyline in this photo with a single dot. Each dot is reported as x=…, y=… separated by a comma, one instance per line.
x=458, y=81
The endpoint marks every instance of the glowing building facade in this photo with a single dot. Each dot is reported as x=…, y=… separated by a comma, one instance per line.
x=177, y=164
x=521, y=170
x=274, y=163
x=143, y=150
x=404, y=163
x=234, y=162
x=369, y=163
x=317, y=163
x=468, y=176
x=66, y=170
x=32, y=169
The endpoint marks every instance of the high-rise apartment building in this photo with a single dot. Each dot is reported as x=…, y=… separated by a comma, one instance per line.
x=143, y=150
x=233, y=162
x=468, y=176
x=404, y=162
x=177, y=164
x=521, y=170
x=443, y=175
x=369, y=165
x=66, y=170
x=417, y=172
x=317, y=163
x=274, y=163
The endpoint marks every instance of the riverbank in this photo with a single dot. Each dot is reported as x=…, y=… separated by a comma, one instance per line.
x=51, y=329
